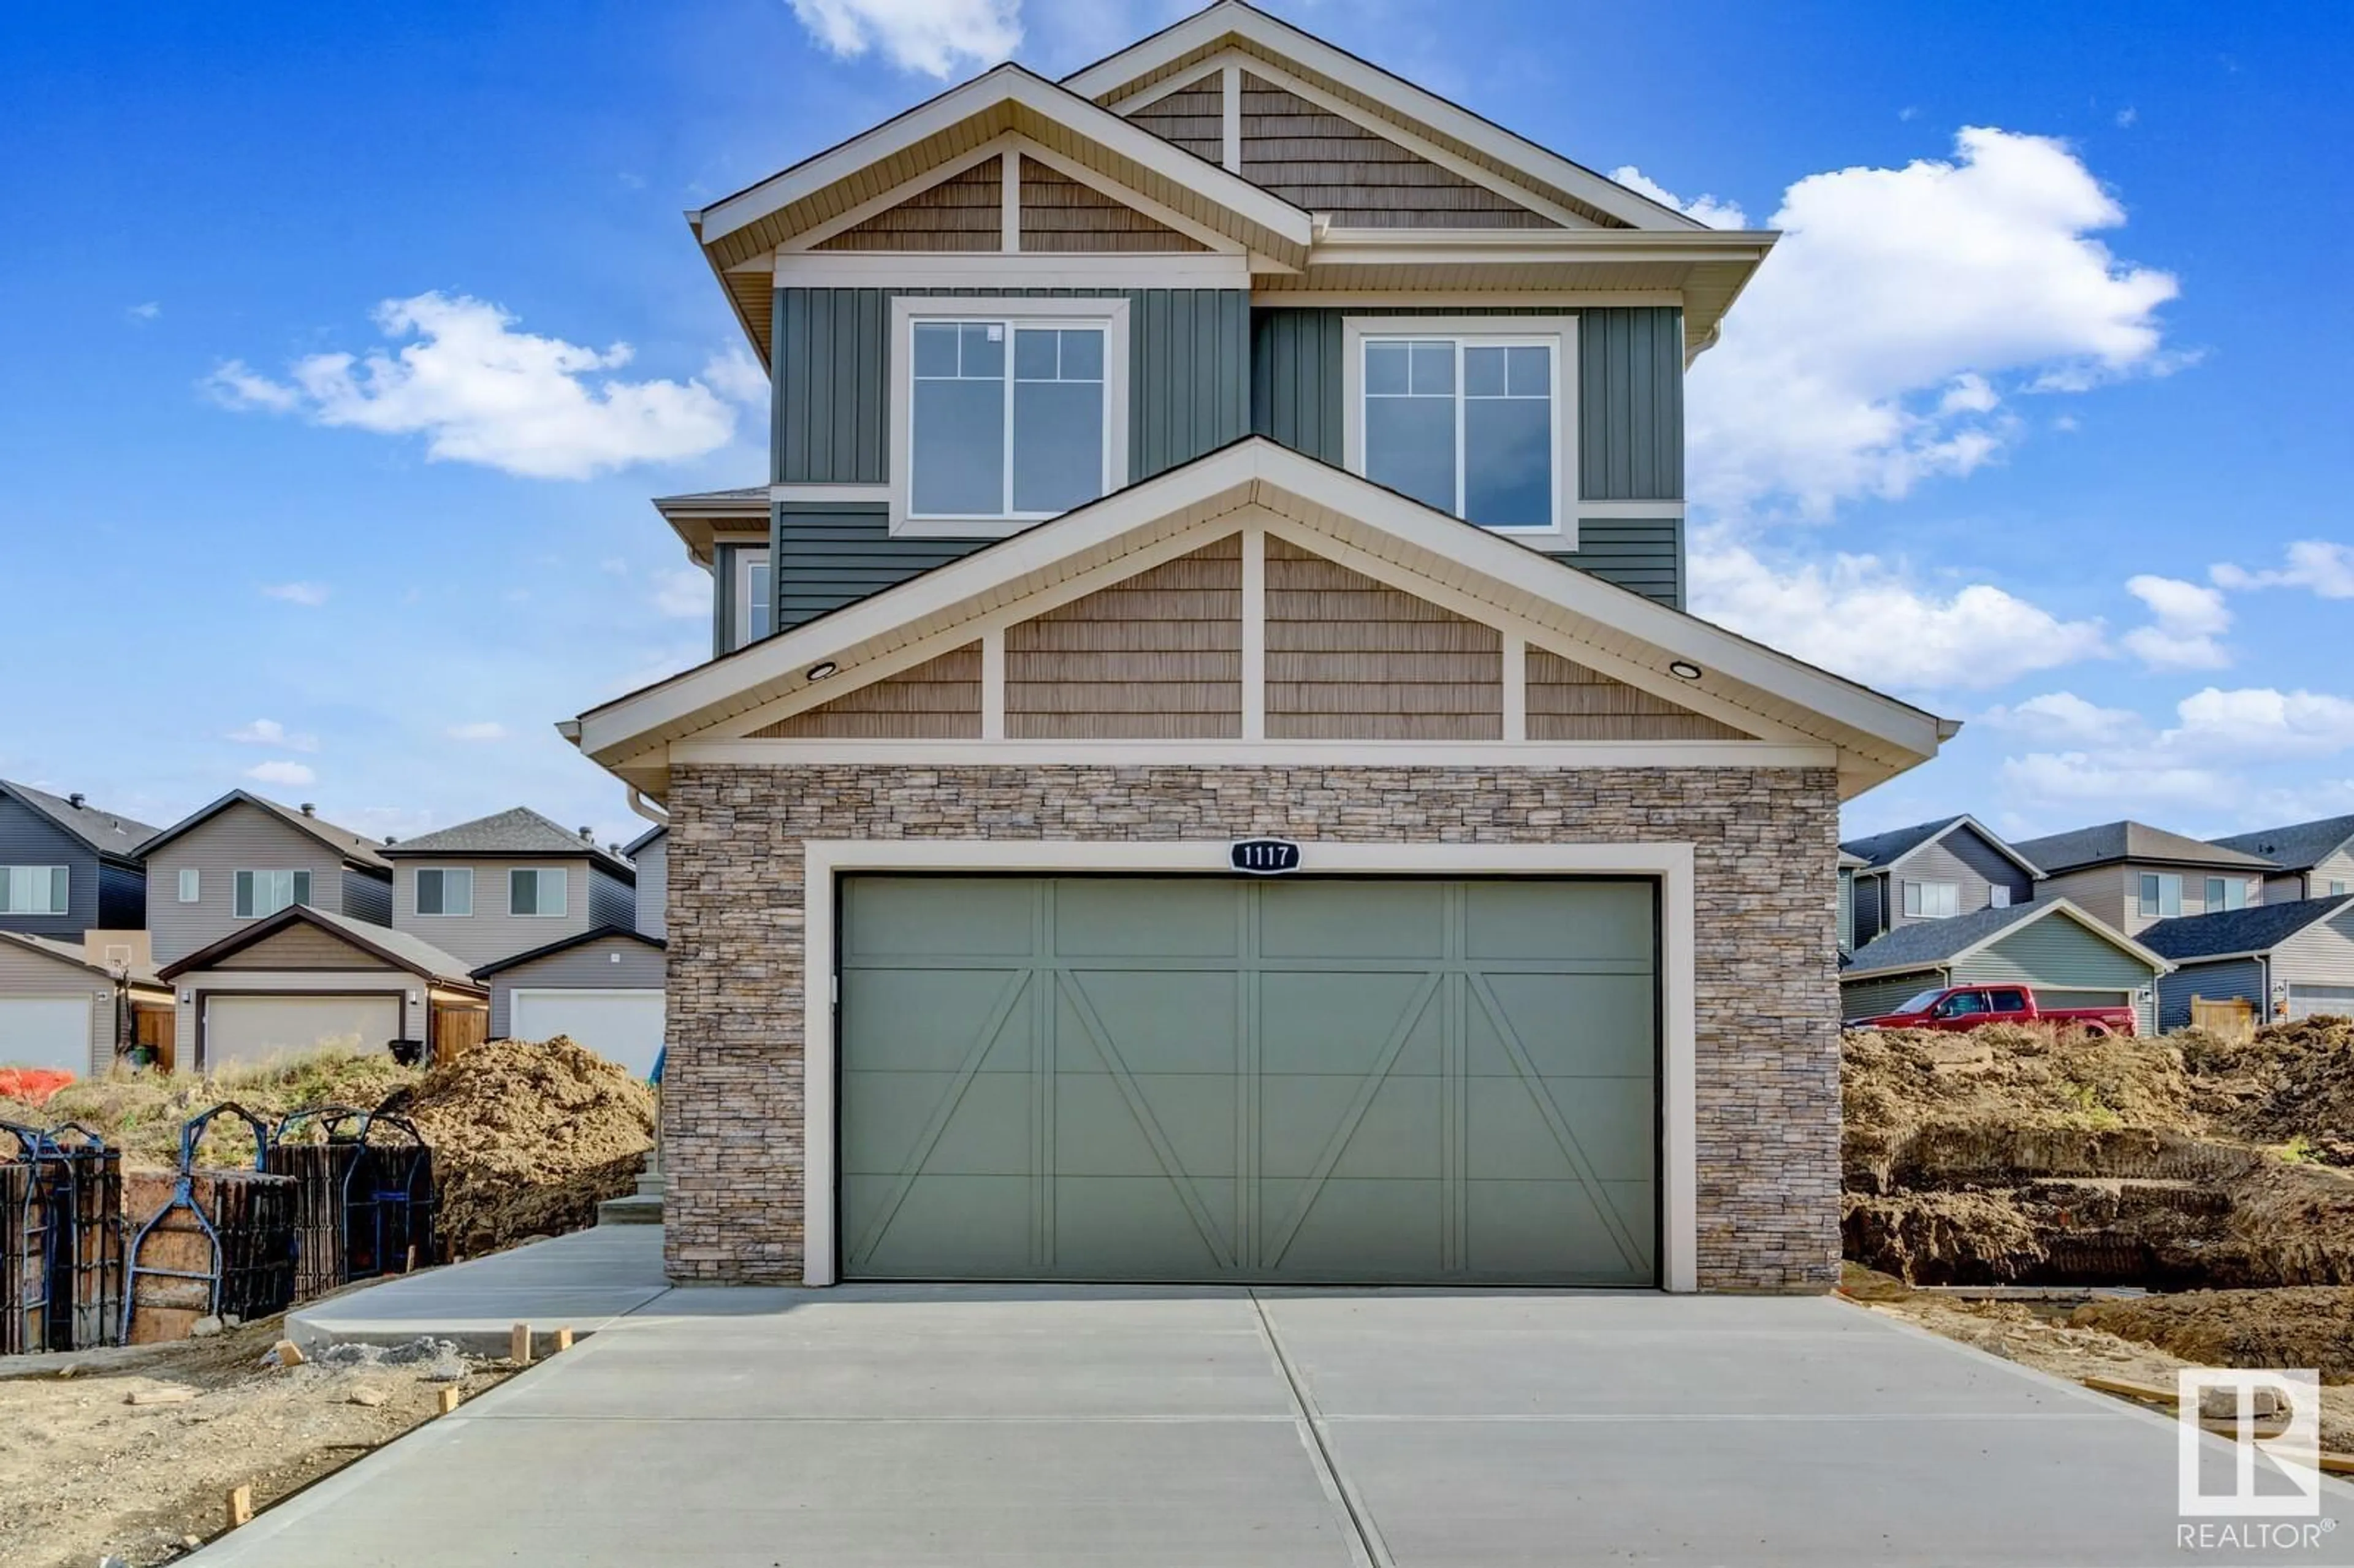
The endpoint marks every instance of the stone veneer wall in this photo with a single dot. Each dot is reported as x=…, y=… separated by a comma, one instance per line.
x=1768, y=1068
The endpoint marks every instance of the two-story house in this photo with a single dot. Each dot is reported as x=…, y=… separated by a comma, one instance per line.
x=546, y=920
x=73, y=955
x=273, y=926
x=1950, y=903
x=2315, y=859
x=2132, y=876
x=1228, y=791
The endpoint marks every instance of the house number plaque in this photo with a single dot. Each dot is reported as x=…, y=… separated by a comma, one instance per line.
x=1264, y=857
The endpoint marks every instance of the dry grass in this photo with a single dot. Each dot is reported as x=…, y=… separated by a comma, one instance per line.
x=142, y=1113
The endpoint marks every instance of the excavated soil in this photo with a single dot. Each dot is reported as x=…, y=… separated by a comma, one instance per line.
x=2299, y=1325
x=527, y=1139
x=2294, y=1083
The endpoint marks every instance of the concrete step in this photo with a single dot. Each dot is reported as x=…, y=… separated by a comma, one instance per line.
x=638, y=1209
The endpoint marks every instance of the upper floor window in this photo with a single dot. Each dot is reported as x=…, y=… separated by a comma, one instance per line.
x=445, y=890
x=2226, y=892
x=1933, y=900
x=1010, y=411
x=35, y=889
x=2336, y=889
x=261, y=893
x=1999, y=897
x=1472, y=416
x=2162, y=895
x=191, y=882
x=535, y=890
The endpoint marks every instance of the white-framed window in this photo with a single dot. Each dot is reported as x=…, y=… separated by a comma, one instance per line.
x=1004, y=411
x=2162, y=895
x=35, y=889
x=1999, y=897
x=2226, y=892
x=1933, y=900
x=191, y=884
x=2336, y=889
x=265, y=892
x=535, y=890
x=753, y=608
x=445, y=890
x=1475, y=415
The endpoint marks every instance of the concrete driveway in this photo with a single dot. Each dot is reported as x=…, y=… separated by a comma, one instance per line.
x=1144, y=1427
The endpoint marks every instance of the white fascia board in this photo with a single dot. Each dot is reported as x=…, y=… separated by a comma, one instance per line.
x=1534, y=246
x=1003, y=84
x=998, y=268
x=1205, y=28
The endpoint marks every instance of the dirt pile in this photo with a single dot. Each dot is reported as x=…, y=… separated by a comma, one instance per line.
x=142, y=1113
x=2293, y=1085
x=527, y=1139
x=2309, y=1326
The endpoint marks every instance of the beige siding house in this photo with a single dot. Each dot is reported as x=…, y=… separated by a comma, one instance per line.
x=650, y=853
x=61, y=1008
x=2131, y=876
x=507, y=884
x=2316, y=859
x=242, y=858
x=602, y=989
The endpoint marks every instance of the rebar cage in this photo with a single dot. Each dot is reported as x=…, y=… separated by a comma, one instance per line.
x=61, y=1243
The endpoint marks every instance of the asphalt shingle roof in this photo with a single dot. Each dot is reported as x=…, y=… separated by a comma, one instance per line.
x=354, y=847
x=1881, y=848
x=2257, y=930
x=2300, y=846
x=2130, y=841
x=1928, y=942
x=520, y=831
x=108, y=833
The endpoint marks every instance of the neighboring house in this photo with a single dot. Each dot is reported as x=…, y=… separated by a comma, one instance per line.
x=1231, y=440
x=1934, y=871
x=507, y=884
x=305, y=979
x=2134, y=875
x=1849, y=865
x=2315, y=859
x=2290, y=960
x=241, y=860
x=650, y=853
x=67, y=866
x=602, y=988
x=2067, y=957
x=60, y=1008
x=726, y=533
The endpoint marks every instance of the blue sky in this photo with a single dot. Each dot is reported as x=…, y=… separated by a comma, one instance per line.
x=2037, y=417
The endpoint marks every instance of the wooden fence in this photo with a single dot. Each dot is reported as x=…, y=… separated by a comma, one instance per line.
x=457, y=1030
x=2233, y=1019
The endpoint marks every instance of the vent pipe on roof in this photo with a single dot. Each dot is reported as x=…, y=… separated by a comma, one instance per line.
x=76, y=799
x=389, y=841
x=588, y=835
x=309, y=810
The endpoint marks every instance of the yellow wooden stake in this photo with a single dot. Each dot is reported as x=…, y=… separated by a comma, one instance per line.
x=449, y=1400
x=240, y=1506
x=519, y=1345
x=564, y=1337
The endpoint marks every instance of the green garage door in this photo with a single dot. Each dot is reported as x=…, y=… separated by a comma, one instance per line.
x=1198, y=1079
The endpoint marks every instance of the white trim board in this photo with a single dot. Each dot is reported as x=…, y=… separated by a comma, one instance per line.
x=994, y=269
x=1671, y=864
x=1483, y=754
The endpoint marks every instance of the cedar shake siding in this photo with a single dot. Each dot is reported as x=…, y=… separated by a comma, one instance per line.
x=963, y=212
x=1329, y=164
x=1059, y=214
x=938, y=699
x=1191, y=116
x=1566, y=701
x=1351, y=659
x=1156, y=657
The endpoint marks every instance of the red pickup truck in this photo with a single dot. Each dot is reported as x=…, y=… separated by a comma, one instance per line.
x=1967, y=1006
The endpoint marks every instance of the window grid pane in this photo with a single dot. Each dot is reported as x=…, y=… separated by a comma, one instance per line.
x=1487, y=455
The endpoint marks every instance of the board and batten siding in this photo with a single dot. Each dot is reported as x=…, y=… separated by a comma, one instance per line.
x=490, y=933
x=1962, y=857
x=592, y=965
x=28, y=838
x=26, y=975
x=2055, y=953
x=653, y=860
x=2225, y=981
x=240, y=837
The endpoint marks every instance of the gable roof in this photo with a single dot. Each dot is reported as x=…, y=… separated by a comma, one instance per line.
x=1935, y=944
x=1230, y=24
x=357, y=849
x=109, y=833
x=586, y=939
x=398, y=948
x=638, y=844
x=68, y=953
x=2231, y=932
x=519, y=833
x=1881, y=851
x=2111, y=841
x=1875, y=736
x=699, y=517
x=2300, y=846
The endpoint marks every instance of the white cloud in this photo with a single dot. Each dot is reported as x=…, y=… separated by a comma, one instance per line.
x=2111, y=758
x=2126, y=116
x=270, y=732
x=1865, y=357
x=290, y=774
x=481, y=392
x=2109, y=785
x=737, y=376
x=310, y=595
x=481, y=729
x=2065, y=719
x=682, y=593
x=931, y=37
x=1857, y=615
x=2326, y=568
x=146, y=311
x=1704, y=209
x=2189, y=620
x=2262, y=720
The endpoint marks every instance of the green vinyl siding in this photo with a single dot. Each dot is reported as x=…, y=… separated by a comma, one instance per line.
x=1869, y=999
x=1201, y=1079
x=2055, y=952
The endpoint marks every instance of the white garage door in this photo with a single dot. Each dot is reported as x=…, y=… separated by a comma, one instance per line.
x=254, y=1028
x=2306, y=1000
x=624, y=1026
x=46, y=1031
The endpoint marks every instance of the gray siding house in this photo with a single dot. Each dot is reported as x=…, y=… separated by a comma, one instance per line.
x=2289, y=960
x=2065, y=956
x=2133, y=875
x=2315, y=859
x=650, y=853
x=506, y=884
x=1934, y=871
x=1228, y=453
x=67, y=866
x=601, y=989
x=242, y=858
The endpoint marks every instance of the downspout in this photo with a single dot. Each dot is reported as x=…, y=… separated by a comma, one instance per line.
x=644, y=808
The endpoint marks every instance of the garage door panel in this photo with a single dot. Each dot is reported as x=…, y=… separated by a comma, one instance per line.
x=1097, y=1134
x=1309, y=1024
x=1613, y=1122
x=898, y=917
x=46, y=1031
x=1564, y=1024
x=1531, y=920
x=940, y=1227
x=2317, y=1000
x=1175, y=917
x=1142, y=1228
x=1356, y=1229
x=1352, y=920
x=1399, y=1133
x=928, y=1020
x=1517, y=1227
x=255, y=1028
x=980, y=1124
x=1153, y=1021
